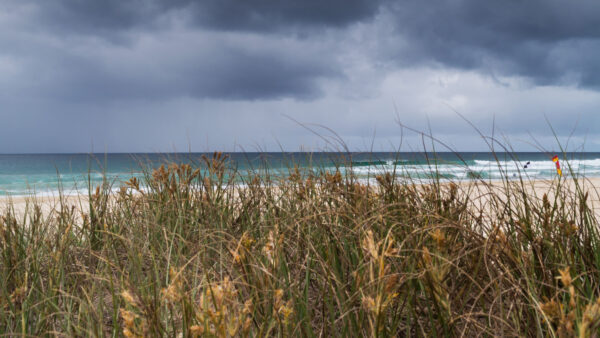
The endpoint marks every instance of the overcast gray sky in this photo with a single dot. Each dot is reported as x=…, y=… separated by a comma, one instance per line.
x=164, y=75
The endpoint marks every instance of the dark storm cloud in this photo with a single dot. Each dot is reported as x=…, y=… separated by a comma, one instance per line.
x=110, y=16
x=548, y=41
x=265, y=15
x=85, y=16
x=151, y=74
x=62, y=57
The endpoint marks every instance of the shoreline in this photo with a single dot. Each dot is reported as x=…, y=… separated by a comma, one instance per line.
x=479, y=189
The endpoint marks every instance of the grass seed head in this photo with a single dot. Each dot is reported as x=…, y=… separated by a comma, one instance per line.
x=551, y=309
x=369, y=245
x=130, y=298
x=565, y=276
x=438, y=236
x=196, y=330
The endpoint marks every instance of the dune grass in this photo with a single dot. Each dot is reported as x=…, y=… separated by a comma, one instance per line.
x=194, y=253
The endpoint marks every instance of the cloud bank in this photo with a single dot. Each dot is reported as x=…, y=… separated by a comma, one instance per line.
x=161, y=75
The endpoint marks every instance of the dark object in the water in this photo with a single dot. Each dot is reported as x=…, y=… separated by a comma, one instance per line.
x=526, y=164
x=367, y=163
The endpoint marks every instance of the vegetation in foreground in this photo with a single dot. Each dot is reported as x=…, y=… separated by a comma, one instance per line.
x=194, y=254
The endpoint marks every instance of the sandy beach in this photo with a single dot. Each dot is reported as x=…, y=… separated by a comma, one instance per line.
x=477, y=190
x=48, y=204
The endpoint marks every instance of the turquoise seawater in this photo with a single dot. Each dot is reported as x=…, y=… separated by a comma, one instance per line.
x=48, y=173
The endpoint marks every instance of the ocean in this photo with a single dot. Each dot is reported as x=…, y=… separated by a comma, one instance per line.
x=47, y=174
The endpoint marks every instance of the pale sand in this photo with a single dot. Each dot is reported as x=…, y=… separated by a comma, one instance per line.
x=478, y=192
x=49, y=204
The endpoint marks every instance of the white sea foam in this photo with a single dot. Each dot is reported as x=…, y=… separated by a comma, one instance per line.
x=488, y=169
